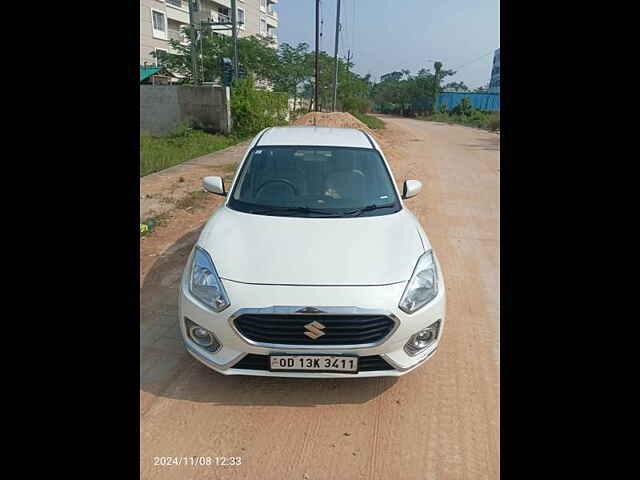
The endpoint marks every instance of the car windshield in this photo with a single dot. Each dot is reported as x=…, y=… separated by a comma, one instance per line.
x=314, y=182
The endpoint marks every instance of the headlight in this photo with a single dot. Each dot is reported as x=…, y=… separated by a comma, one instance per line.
x=204, y=283
x=423, y=286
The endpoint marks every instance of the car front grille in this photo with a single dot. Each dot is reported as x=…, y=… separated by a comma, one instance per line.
x=369, y=363
x=334, y=329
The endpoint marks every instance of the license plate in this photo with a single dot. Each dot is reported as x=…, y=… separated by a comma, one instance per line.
x=314, y=363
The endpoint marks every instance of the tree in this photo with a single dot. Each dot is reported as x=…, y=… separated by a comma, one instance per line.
x=353, y=93
x=396, y=88
x=456, y=86
x=392, y=77
x=254, y=54
x=292, y=69
x=439, y=76
x=401, y=89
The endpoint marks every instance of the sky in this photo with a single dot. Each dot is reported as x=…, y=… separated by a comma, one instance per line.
x=391, y=35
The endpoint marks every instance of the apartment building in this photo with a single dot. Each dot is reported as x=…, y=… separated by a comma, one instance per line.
x=162, y=20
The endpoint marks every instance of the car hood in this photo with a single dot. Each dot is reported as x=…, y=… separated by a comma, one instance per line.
x=249, y=248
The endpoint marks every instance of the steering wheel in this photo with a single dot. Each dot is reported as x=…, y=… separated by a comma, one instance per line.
x=288, y=183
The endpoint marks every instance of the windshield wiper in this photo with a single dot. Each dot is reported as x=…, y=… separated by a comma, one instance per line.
x=368, y=208
x=276, y=210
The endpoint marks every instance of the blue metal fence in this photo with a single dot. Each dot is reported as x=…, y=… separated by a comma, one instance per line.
x=479, y=101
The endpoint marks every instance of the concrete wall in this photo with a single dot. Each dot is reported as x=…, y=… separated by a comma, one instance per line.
x=163, y=108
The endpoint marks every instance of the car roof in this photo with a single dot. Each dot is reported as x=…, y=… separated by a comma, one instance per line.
x=315, y=136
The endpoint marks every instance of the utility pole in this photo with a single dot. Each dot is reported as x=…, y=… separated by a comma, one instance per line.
x=228, y=24
x=193, y=7
x=335, y=60
x=234, y=33
x=348, y=59
x=317, y=52
x=437, y=66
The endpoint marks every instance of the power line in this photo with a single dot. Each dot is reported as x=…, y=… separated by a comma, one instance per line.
x=469, y=63
x=474, y=86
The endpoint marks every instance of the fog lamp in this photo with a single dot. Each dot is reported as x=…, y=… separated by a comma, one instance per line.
x=201, y=336
x=422, y=339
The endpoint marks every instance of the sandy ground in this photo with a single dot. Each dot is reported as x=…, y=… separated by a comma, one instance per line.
x=160, y=191
x=440, y=421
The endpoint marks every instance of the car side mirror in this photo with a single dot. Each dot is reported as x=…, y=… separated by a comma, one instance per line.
x=411, y=188
x=214, y=185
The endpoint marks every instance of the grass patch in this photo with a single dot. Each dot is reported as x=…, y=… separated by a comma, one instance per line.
x=158, y=153
x=372, y=122
x=194, y=199
x=485, y=120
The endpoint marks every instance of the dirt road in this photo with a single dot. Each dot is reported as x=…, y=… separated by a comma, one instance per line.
x=440, y=421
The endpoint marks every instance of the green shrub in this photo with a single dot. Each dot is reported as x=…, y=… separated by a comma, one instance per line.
x=494, y=121
x=477, y=119
x=370, y=121
x=357, y=104
x=439, y=117
x=463, y=108
x=473, y=118
x=184, y=129
x=254, y=110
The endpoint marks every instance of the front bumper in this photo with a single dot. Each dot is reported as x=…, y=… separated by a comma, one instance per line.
x=235, y=347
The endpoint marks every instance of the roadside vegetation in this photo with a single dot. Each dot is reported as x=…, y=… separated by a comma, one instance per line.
x=370, y=121
x=465, y=114
x=407, y=94
x=289, y=70
x=254, y=110
x=185, y=143
x=414, y=95
x=485, y=120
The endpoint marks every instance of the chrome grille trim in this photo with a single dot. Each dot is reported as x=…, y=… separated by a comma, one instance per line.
x=293, y=310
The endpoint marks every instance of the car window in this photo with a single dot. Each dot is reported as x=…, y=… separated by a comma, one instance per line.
x=331, y=179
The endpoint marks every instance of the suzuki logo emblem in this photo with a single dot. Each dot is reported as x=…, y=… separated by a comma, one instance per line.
x=314, y=330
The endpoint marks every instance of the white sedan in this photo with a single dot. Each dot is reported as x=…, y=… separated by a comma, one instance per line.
x=313, y=266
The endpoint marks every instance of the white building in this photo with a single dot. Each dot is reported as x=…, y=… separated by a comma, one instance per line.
x=162, y=20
